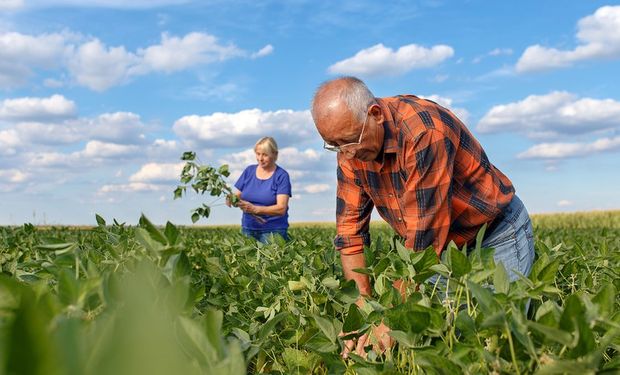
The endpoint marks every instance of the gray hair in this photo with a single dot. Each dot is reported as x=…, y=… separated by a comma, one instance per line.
x=269, y=145
x=355, y=94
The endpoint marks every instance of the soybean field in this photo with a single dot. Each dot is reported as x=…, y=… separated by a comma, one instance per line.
x=142, y=299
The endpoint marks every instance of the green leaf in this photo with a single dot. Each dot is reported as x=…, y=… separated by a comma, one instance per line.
x=100, y=220
x=195, y=217
x=488, y=304
x=500, y=279
x=458, y=262
x=271, y=324
x=188, y=155
x=327, y=327
x=403, y=252
x=172, y=233
x=354, y=320
x=551, y=333
x=605, y=300
x=321, y=344
x=330, y=283
x=155, y=233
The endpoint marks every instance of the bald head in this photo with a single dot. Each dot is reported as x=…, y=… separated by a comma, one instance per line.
x=338, y=103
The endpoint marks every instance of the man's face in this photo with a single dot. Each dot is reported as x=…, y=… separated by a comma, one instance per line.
x=344, y=132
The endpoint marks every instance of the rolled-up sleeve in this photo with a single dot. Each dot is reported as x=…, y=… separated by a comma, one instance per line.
x=353, y=209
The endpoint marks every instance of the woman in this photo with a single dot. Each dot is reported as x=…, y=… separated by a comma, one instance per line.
x=264, y=191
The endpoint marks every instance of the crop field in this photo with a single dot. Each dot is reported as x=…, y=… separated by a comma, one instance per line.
x=120, y=299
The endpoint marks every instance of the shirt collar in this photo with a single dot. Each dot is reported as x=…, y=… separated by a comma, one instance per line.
x=390, y=141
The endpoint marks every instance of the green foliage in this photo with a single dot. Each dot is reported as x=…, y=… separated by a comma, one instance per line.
x=203, y=179
x=149, y=299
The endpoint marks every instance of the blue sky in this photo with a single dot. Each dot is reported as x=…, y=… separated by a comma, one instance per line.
x=98, y=101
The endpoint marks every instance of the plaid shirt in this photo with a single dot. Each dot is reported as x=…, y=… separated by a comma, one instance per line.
x=433, y=183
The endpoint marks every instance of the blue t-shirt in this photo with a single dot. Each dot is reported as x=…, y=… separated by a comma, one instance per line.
x=263, y=193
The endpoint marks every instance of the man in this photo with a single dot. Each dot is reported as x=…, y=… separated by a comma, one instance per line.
x=426, y=174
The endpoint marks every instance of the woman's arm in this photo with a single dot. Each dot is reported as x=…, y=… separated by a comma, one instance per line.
x=277, y=209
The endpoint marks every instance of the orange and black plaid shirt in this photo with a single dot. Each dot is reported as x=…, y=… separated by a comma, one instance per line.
x=432, y=183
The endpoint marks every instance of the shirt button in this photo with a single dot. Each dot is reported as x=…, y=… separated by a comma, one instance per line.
x=391, y=195
x=400, y=219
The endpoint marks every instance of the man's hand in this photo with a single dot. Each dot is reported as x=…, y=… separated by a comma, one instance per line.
x=377, y=337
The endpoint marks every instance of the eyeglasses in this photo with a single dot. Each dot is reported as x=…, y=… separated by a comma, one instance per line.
x=333, y=148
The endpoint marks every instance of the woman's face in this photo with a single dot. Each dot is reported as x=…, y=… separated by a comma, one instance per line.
x=265, y=159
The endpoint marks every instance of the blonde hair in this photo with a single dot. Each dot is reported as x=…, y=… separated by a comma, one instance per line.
x=269, y=145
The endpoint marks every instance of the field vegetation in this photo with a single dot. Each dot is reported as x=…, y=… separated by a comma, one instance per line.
x=120, y=299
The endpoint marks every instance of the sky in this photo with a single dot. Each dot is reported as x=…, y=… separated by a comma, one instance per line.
x=99, y=98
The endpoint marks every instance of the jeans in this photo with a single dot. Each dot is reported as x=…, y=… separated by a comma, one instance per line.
x=264, y=235
x=513, y=240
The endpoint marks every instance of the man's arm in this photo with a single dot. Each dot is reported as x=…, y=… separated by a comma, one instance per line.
x=353, y=209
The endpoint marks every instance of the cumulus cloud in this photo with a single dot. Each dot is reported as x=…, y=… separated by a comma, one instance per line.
x=99, y=67
x=158, y=173
x=461, y=113
x=9, y=142
x=28, y=109
x=11, y=4
x=20, y=54
x=267, y=50
x=570, y=150
x=121, y=4
x=93, y=64
x=130, y=188
x=10, y=179
x=244, y=127
x=598, y=36
x=53, y=121
x=315, y=188
x=552, y=115
x=174, y=53
x=380, y=60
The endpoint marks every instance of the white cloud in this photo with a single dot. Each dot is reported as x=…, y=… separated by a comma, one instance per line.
x=568, y=150
x=11, y=4
x=267, y=50
x=105, y=150
x=20, y=54
x=461, y=113
x=9, y=142
x=493, y=53
x=12, y=176
x=557, y=113
x=379, y=60
x=130, y=188
x=599, y=38
x=98, y=67
x=244, y=127
x=25, y=109
x=121, y=4
x=174, y=53
x=564, y=203
x=158, y=173
x=93, y=64
x=315, y=188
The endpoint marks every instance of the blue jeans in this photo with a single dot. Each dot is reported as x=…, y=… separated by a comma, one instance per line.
x=513, y=240
x=264, y=235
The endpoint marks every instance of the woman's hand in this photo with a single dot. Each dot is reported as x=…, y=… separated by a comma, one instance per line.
x=247, y=207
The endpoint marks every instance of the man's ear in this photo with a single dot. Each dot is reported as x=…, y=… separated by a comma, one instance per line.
x=376, y=113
